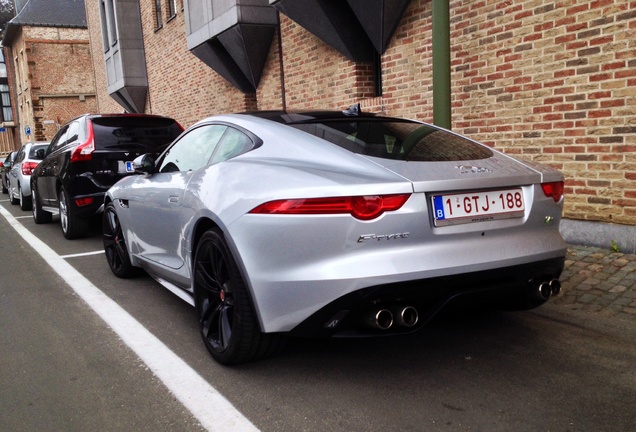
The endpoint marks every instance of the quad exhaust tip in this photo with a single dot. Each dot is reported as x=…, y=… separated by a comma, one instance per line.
x=547, y=289
x=406, y=316
x=384, y=319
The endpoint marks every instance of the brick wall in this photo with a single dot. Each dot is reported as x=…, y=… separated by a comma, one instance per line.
x=315, y=74
x=56, y=79
x=553, y=81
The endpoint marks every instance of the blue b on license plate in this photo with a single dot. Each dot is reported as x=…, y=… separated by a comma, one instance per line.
x=125, y=167
x=451, y=209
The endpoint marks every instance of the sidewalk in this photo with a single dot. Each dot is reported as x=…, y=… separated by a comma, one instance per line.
x=600, y=281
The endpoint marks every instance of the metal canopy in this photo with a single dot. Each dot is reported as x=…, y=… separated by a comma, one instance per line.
x=355, y=28
x=333, y=22
x=238, y=54
x=379, y=19
x=133, y=99
x=233, y=37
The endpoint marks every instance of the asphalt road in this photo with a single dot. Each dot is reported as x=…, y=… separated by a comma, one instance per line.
x=63, y=368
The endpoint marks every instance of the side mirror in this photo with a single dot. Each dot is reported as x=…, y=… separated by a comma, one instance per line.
x=144, y=164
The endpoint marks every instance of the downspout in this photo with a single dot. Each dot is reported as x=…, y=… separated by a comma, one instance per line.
x=281, y=63
x=441, y=64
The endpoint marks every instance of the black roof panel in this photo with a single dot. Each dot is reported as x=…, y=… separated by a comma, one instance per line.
x=52, y=13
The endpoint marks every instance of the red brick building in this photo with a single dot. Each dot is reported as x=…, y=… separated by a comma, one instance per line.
x=9, y=131
x=48, y=49
x=553, y=81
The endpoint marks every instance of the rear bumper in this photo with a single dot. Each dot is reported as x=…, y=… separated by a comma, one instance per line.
x=87, y=211
x=348, y=315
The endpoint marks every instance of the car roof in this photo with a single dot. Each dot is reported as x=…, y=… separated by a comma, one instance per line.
x=296, y=117
x=92, y=116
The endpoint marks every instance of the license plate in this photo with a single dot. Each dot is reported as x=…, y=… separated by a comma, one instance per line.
x=125, y=167
x=470, y=207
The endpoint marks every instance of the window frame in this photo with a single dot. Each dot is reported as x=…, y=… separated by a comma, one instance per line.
x=255, y=141
x=158, y=15
x=171, y=7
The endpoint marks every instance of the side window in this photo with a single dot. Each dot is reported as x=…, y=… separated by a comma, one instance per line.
x=234, y=143
x=20, y=156
x=58, y=140
x=73, y=132
x=193, y=150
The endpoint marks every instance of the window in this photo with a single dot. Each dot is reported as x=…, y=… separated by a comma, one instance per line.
x=20, y=157
x=34, y=150
x=193, y=150
x=109, y=26
x=233, y=144
x=58, y=140
x=22, y=65
x=104, y=22
x=159, y=19
x=147, y=134
x=396, y=139
x=18, y=79
x=172, y=8
x=73, y=132
x=5, y=101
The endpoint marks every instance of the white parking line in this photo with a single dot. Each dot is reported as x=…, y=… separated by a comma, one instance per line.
x=212, y=410
x=82, y=254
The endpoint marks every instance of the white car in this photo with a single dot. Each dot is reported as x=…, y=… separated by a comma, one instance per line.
x=19, y=177
x=329, y=224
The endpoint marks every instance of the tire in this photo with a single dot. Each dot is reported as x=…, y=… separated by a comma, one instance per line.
x=39, y=216
x=227, y=320
x=115, y=245
x=12, y=199
x=72, y=226
x=25, y=202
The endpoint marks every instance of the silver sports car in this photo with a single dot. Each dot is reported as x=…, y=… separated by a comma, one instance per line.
x=328, y=224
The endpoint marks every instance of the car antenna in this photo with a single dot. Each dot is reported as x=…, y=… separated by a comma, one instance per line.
x=353, y=110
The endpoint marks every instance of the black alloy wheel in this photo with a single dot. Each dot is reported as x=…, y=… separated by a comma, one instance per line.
x=227, y=320
x=115, y=245
x=39, y=215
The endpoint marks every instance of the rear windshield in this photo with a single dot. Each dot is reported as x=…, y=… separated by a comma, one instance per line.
x=35, y=148
x=396, y=139
x=145, y=134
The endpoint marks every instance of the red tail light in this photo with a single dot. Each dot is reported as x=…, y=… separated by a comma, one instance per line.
x=360, y=207
x=553, y=189
x=84, y=151
x=81, y=202
x=28, y=167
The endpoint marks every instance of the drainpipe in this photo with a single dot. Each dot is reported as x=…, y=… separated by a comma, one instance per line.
x=441, y=64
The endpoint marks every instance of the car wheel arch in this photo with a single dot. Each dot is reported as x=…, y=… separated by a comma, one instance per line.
x=205, y=224
x=202, y=225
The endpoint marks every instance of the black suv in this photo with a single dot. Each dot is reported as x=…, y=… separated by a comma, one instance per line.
x=86, y=157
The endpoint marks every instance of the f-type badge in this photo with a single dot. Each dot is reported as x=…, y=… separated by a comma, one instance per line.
x=465, y=169
x=379, y=237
